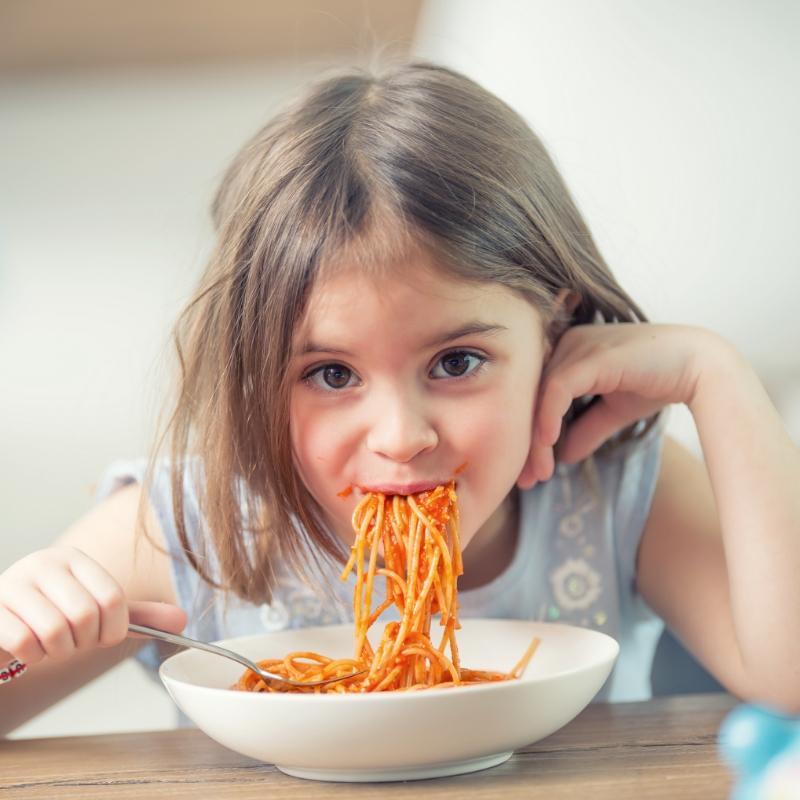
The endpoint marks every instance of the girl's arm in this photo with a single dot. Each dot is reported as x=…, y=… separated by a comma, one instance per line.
x=719, y=558
x=106, y=534
x=720, y=555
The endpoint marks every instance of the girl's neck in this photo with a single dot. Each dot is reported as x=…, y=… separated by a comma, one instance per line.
x=492, y=548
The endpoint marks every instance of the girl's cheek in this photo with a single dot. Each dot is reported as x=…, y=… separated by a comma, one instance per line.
x=325, y=444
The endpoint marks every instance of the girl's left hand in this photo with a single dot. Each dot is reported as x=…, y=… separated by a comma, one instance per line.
x=635, y=369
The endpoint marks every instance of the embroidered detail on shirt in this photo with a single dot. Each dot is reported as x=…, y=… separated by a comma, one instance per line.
x=308, y=609
x=576, y=584
x=297, y=605
x=600, y=618
x=274, y=616
x=572, y=524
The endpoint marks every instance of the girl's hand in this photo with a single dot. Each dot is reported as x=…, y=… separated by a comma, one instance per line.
x=634, y=368
x=58, y=601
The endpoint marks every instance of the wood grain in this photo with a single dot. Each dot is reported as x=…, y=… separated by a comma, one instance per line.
x=663, y=748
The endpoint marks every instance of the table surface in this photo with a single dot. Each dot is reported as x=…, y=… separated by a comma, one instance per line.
x=662, y=748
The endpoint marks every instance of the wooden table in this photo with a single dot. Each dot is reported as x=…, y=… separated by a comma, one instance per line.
x=663, y=748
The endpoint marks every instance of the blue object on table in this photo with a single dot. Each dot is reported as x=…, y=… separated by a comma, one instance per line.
x=763, y=747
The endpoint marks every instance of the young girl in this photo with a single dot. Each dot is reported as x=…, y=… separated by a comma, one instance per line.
x=403, y=290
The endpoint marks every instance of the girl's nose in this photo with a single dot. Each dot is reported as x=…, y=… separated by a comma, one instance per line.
x=400, y=432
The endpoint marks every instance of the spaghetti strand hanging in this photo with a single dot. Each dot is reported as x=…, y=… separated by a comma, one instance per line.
x=422, y=562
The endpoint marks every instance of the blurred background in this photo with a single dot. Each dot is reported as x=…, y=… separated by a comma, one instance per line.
x=675, y=124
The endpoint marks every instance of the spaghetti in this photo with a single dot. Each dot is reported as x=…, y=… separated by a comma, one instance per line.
x=422, y=562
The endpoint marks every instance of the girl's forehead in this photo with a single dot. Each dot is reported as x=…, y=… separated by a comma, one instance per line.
x=415, y=293
x=415, y=279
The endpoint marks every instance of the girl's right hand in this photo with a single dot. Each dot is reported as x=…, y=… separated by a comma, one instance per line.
x=58, y=601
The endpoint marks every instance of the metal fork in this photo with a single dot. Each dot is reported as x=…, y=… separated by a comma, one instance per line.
x=185, y=641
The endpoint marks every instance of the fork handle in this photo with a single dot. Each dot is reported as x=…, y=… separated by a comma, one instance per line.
x=185, y=641
x=15, y=668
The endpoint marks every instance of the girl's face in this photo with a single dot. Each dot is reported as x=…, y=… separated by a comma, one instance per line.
x=404, y=382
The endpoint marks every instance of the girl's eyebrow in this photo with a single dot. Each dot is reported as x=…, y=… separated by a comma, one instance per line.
x=473, y=328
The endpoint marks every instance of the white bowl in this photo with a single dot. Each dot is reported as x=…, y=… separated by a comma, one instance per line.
x=396, y=735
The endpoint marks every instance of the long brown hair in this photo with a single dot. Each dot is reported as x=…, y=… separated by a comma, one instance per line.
x=368, y=167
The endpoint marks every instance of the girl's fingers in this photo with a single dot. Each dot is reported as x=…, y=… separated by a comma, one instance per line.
x=76, y=604
x=608, y=416
x=44, y=621
x=543, y=462
x=539, y=465
x=546, y=429
x=17, y=640
x=555, y=399
x=580, y=379
x=108, y=596
x=567, y=348
x=158, y=615
x=589, y=431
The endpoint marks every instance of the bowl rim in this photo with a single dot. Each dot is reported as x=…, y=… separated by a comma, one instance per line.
x=394, y=696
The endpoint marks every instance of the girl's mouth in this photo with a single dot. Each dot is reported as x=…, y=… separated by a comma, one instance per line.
x=404, y=488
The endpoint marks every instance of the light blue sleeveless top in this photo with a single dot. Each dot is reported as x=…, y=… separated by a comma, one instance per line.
x=574, y=563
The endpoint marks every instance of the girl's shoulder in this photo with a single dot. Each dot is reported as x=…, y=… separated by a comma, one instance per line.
x=157, y=479
x=192, y=594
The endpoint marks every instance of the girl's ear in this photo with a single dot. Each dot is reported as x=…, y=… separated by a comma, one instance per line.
x=567, y=299
x=565, y=303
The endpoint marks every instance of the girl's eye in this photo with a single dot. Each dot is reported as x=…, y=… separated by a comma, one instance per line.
x=457, y=364
x=330, y=376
